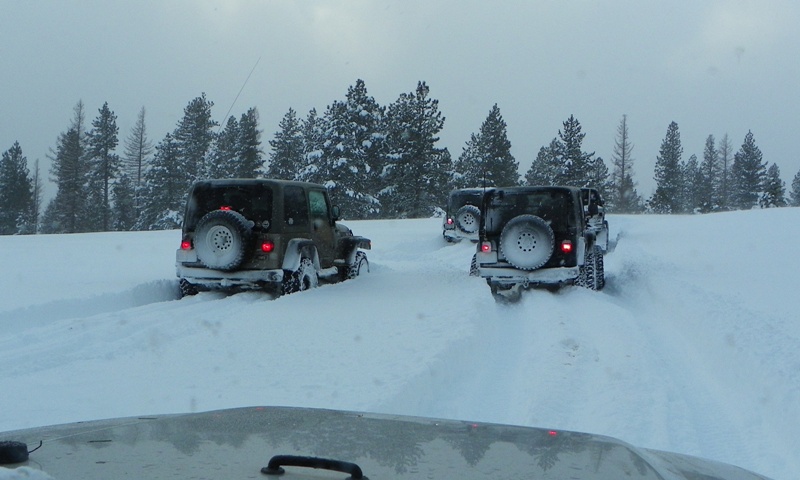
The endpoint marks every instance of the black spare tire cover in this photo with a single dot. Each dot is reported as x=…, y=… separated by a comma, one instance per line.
x=527, y=242
x=222, y=239
x=468, y=218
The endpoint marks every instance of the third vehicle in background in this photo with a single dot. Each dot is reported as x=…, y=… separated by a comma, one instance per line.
x=463, y=215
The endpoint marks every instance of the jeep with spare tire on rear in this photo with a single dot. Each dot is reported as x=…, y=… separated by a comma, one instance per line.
x=463, y=215
x=260, y=234
x=536, y=237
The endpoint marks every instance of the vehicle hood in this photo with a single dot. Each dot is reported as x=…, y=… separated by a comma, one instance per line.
x=238, y=443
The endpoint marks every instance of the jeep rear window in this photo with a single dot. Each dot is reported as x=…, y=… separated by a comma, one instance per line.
x=254, y=202
x=556, y=207
x=459, y=198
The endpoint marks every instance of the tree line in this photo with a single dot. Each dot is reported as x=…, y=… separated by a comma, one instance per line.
x=376, y=161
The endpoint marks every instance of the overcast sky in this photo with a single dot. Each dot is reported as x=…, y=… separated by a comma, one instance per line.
x=714, y=67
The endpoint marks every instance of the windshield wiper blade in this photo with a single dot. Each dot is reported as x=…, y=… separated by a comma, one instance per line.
x=274, y=466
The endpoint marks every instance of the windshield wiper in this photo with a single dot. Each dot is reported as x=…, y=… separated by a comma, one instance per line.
x=274, y=466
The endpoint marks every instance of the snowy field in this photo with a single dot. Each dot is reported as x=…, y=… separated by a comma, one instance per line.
x=694, y=345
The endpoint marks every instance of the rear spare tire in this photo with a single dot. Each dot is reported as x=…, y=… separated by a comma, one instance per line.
x=222, y=239
x=468, y=218
x=527, y=242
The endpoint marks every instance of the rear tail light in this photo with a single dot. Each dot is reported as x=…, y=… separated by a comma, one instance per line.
x=486, y=247
x=449, y=221
x=225, y=207
x=186, y=245
x=267, y=246
x=566, y=246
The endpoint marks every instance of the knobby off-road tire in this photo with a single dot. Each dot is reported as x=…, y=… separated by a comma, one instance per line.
x=186, y=288
x=473, y=267
x=527, y=242
x=592, y=275
x=360, y=265
x=304, y=278
x=222, y=239
x=468, y=219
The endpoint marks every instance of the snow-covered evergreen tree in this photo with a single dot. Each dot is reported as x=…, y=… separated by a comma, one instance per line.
x=794, y=195
x=692, y=183
x=748, y=173
x=668, y=175
x=313, y=136
x=250, y=157
x=576, y=167
x=708, y=183
x=66, y=211
x=417, y=172
x=286, y=157
x=486, y=159
x=165, y=190
x=545, y=167
x=16, y=192
x=353, y=153
x=125, y=214
x=223, y=155
x=193, y=139
x=104, y=167
x=774, y=194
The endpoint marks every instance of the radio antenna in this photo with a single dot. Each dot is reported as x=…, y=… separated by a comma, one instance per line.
x=237, y=95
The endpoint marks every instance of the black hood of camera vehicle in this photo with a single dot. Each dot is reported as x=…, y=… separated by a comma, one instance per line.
x=238, y=443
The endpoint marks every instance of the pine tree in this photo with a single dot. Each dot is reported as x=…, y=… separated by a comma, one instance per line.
x=417, y=172
x=692, y=182
x=313, y=137
x=774, y=194
x=193, y=139
x=575, y=166
x=138, y=150
x=623, y=196
x=353, y=154
x=668, y=175
x=709, y=172
x=724, y=187
x=16, y=192
x=286, y=158
x=125, y=214
x=104, y=166
x=544, y=168
x=36, y=199
x=250, y=157
x=66, y=211
x=165, y=189
x=224, y=155
x=487, y=160
x=748, y=174
x=794, y=195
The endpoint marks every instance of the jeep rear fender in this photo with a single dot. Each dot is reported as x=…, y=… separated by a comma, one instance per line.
x=350, y=246
x=296, y=250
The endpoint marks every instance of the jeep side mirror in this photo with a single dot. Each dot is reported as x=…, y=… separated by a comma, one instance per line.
x=335, y=213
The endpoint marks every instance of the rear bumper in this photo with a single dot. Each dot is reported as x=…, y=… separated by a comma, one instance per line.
x=545, y=276
x=219, y=279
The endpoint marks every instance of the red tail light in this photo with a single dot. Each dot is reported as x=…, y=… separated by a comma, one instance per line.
x=186, y=245
x=267, y=246
x=449, y=221
x=566, y=246
x=225, y=207
x=486, y=247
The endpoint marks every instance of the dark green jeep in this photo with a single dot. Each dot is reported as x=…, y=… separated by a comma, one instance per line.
x=275, y=235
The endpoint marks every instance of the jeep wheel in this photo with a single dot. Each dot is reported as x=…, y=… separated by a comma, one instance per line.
x=591, y=273
x=468, y=218
x=360, y=264
x=527, y=242
x=473, y=267
x=222, y=239
x=599, y=269
x=186, y=288
x=304, y=278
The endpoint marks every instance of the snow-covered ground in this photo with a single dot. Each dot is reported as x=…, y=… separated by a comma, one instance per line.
x=694, y=345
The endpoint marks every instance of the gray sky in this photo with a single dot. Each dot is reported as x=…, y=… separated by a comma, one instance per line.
x=714, y=67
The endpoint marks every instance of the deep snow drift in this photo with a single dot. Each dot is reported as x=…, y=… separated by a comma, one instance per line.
x=694, y=345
